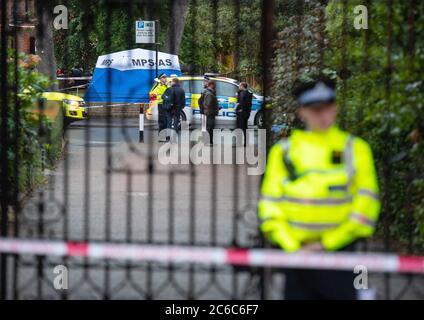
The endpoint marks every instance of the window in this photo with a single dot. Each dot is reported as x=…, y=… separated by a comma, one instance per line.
x=226, y=89
x=192, y=86
x=32, y=45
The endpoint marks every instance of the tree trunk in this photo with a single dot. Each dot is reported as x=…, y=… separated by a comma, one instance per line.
x=44, y=39
x=175, y=30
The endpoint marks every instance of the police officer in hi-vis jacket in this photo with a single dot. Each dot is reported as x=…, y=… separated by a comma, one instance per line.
x=319, y=193
x=158, y=89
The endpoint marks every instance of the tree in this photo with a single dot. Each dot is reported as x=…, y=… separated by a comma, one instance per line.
x=176, y=25
x=381, y=91
x=44, y=39
x=97, y=28
x=300, y=48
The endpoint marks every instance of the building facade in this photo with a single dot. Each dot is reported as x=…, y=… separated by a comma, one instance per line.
x=21, y=22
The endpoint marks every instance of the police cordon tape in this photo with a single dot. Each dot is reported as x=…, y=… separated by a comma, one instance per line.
x=374, y=262
x=115, y=105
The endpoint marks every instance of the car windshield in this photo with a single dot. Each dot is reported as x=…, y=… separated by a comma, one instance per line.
x=192, y=86
x=226, y=89
x=255, y=91
x=223, y=88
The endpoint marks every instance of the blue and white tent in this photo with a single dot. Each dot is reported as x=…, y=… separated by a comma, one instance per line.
x=127, y=76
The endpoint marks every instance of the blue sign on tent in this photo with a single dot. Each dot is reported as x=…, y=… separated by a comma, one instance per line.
x=127, y=76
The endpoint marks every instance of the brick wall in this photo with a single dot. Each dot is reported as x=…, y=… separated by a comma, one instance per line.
x=24, y=41
x=25, y=24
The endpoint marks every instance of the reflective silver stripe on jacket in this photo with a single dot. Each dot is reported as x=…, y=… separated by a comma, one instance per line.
x=369, y=193
x=285, y=144
x=322, y=201
x=313, y=226
x=362, y=219
x=348, y=155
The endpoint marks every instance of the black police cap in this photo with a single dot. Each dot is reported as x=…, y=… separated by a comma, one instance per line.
x=315, y=92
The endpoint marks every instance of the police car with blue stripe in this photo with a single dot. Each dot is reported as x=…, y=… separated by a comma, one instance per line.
x=226, y=91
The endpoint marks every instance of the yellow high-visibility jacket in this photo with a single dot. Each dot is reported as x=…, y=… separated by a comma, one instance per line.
x=319, y=186
x=159, y=89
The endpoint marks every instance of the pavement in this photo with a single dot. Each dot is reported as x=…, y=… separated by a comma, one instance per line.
x=127, y=204
x=173, y=204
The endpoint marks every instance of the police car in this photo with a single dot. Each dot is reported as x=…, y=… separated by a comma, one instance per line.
x=226, y=91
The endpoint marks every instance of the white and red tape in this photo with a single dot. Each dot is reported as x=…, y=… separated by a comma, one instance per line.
x=375, y=262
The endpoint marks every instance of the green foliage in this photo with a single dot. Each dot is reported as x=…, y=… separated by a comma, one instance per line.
x=30, y=133
x=97, y=28
x=382, y=100
x=197, y=50
x=207, y=39
x=228, y=42
x=299, y=51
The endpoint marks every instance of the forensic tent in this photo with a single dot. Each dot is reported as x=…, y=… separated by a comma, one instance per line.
x=127, y=76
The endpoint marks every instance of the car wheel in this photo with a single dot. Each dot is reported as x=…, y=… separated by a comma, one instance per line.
x=260, y=120
x=183, y=118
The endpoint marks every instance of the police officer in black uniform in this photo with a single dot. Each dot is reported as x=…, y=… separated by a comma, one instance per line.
x=174, y=100
x=243, y=109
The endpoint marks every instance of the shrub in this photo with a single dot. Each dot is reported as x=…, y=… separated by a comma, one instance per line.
x=34, y=140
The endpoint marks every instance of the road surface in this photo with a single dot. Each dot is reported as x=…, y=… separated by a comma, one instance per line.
x=84, y=201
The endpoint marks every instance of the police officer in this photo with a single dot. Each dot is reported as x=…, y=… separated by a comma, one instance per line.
x=319, y=193
x=201, y=99
x=159, y=89
x=202, y=96
x=243, y=109
x=174, y=98
x=210, y=108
